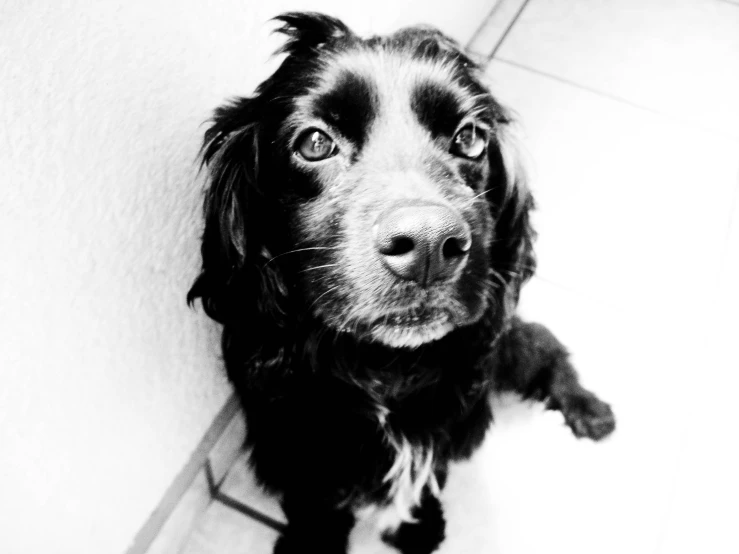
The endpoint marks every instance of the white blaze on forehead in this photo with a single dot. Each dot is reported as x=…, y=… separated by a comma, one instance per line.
x=396, y=74
x=397, y=142
x=394, y=77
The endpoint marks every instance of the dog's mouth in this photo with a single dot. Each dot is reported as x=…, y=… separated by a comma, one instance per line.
x=406, y=328
x=411, y=329
x=402, y=314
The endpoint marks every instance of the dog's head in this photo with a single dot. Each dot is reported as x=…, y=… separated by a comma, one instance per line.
x=369, y=185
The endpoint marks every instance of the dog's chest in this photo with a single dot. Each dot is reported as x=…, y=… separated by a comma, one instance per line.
x=413, y=417
x=409, y=477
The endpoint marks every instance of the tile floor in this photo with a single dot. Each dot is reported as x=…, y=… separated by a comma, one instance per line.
x=630, y=116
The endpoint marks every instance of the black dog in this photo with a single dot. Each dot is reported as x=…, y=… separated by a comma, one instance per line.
x=366, y=237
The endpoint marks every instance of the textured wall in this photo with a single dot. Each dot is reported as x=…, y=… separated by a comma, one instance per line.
x=108, y=380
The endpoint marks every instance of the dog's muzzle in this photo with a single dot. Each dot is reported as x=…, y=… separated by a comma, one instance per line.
x=422, y=241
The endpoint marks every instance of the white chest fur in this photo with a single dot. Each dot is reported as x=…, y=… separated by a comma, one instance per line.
x=412, y=471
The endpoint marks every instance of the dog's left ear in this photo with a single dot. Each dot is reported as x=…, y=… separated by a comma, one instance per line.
x=309, y=31
x=513, y=247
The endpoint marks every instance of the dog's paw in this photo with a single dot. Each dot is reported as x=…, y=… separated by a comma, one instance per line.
x=587, y=416
x=412, y=538
x=298, y=543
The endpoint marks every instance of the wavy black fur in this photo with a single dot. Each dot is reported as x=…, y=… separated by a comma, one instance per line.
x=326, y=401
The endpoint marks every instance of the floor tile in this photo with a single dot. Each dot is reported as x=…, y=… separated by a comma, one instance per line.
x=632, y=218
x=387, y=16
x=223, y=530
x=673, y=56
x=634, y=223
x=534, y=488
x=704, y=507
x=633, y=206
x=193, y=504
x=242, y=487
x=226, y=450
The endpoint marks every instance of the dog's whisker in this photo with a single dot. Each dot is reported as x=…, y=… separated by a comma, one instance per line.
x=321, y=296
x=317, y=267
x=499, y=277
x=300, y=250
x=520, y=265
x=481, y=194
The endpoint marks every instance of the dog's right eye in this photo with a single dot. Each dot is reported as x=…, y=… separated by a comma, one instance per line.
x=469, y=142
x=315, y=145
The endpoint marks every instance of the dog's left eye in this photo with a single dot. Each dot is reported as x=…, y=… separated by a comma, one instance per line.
x=315, y=145
x=469, y=142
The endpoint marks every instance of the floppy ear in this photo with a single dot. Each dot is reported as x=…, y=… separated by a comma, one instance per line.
x=512, y=249
x=230, y=152
x=236, y=282
x=233, y=285
x=236, y=285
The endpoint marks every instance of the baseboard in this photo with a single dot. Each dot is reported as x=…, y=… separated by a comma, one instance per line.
x=168, y=527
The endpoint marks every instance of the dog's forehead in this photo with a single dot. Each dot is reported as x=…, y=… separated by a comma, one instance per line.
x=359, y=87
x=396, y=72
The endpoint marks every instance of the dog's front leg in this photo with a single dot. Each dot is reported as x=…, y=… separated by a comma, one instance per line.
x=313, y=526
x=532, y=362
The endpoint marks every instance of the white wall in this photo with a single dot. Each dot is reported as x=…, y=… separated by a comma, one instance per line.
x=107, y=380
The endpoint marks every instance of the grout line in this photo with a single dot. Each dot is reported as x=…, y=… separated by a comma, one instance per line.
x=508, y=30
x=672, y=117
x=239, y=506
x=556, y=284
x=212, y=486
x=574, y=84
x=177, y=489
x=482, y=26
x=250, y=512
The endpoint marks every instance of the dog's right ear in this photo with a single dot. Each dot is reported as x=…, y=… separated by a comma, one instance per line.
x=237, y=285
x=231, y=154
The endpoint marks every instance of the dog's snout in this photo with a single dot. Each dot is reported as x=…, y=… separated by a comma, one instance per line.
x=422, y=242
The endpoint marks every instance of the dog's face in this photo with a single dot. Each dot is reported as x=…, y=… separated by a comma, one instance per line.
x=394, y=153
x=383, y=176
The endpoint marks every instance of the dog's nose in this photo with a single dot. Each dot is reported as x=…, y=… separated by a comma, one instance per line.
x=422, y=242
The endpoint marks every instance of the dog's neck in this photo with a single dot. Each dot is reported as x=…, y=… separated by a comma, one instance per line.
x=391, y=372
